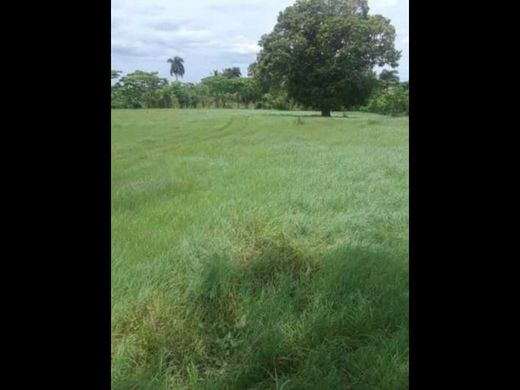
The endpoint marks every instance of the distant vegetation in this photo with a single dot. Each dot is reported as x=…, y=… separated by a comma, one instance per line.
x=147, y=90
x=320, y=55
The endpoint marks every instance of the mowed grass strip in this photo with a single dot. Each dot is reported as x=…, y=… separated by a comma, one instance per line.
x=259, y=250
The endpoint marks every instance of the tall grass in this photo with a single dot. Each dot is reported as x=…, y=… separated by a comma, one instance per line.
x=256, y=250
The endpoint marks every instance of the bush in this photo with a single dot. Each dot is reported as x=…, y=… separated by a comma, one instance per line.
x=389, y=102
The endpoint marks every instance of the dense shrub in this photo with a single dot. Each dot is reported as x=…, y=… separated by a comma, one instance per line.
x=389, y=102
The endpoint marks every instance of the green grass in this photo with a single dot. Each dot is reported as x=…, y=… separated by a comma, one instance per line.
x=259, y=250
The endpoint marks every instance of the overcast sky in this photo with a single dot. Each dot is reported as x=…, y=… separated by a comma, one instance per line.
x=211, y=34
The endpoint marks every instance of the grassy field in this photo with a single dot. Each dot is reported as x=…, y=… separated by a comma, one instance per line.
x=259, y=250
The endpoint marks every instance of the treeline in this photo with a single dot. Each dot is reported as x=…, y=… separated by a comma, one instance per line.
x=227, y=89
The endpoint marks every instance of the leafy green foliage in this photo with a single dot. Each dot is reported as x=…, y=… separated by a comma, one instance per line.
x=388, y=78
x=322, y=52
x=389, y=102
x=142, y=89
x=231, y=72
x=249, y=92
x=224, y=89
x=139, y=89
x=221, y=88
x=167, y=98
x=251, y=69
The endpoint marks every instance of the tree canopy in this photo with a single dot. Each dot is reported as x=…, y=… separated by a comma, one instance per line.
x=389, y=78
x=322, y=53
x=138, y=89
x=232, y=72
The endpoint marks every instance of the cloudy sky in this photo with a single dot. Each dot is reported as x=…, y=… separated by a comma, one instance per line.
x=211, y=34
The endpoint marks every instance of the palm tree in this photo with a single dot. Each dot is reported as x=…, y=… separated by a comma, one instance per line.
x=177, y=67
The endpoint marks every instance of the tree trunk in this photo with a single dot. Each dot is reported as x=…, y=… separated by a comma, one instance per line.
x=325, y=112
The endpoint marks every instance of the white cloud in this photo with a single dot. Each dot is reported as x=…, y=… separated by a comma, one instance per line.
x=184, y=33
x=406, y=39
x=245, y=48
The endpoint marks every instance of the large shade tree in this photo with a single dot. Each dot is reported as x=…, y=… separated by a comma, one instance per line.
x=176, y=66
x=322, y=53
